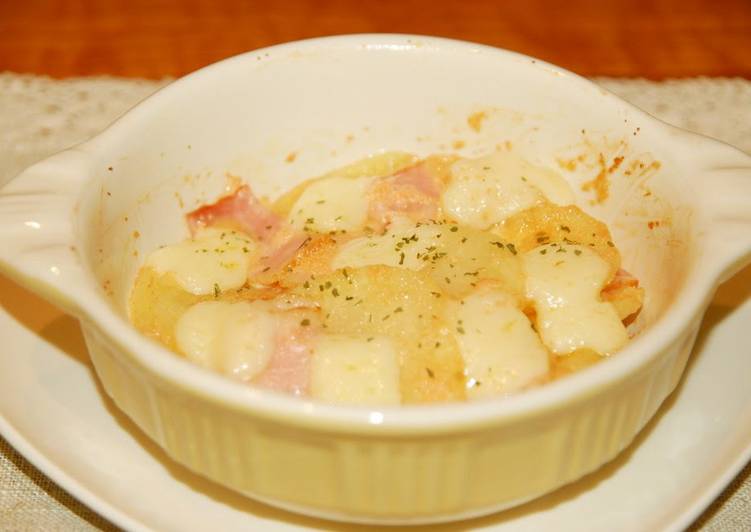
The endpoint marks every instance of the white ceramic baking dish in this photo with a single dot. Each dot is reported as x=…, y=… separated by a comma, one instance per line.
x=75, y=228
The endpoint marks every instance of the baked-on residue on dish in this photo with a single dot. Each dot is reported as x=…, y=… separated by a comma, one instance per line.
x=394, y=280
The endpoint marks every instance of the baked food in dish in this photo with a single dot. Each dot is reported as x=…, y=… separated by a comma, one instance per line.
x=394, y=280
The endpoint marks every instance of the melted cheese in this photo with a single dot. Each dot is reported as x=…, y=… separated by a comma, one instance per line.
x=213, y=260
x=501, y=352
x=488, y=190
x=401, y=246
x=332, y=204
x=564, y=283
x=354, y=371
x=233, y=338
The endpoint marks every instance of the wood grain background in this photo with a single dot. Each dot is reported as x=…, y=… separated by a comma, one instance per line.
x=138, y=38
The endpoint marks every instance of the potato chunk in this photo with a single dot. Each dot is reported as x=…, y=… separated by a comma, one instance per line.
x=548, y=223
x=433, y=371
x=456, y=258
x=404, y=305
x=375, y=300
x=312, y=257
x=573, y=362
x=465, y=258
x=501, y=351
x=157, y=302
x=355, y=371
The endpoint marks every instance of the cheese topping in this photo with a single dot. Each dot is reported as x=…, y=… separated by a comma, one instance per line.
x=564, y=282
x=212, y=260
x=355, y=371
x=401, y=246
x=332, y=204
x=501, y=352
x=234, y=338
x=488, y=190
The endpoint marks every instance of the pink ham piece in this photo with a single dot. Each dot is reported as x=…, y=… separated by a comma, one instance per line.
x=412, y=192
x=281, y=250
x=621, y=280
x=245, y=212
x=419, y=179
x=625, y=295
x=289, y=368
x=241, y=209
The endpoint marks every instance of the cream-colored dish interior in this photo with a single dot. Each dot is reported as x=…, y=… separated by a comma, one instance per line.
x=274, y=124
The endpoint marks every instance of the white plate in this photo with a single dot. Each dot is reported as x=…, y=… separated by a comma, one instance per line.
x=55, y=414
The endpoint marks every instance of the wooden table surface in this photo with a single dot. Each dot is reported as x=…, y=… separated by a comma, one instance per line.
x=153, y=39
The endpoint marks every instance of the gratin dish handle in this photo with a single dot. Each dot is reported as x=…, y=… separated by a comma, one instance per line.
x=726, y=192
x=37, y=229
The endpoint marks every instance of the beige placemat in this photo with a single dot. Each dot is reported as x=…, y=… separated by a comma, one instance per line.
x=39, y=116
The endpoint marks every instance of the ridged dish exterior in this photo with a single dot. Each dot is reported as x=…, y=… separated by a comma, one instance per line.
x=344, y=475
